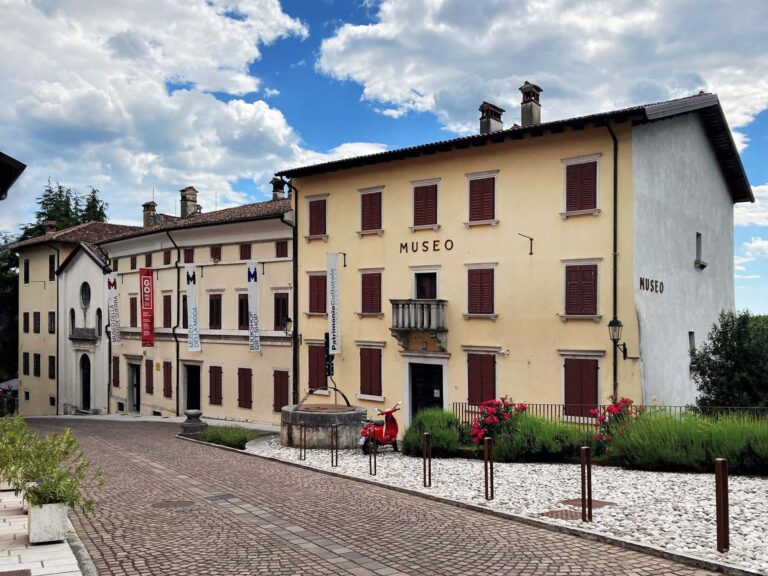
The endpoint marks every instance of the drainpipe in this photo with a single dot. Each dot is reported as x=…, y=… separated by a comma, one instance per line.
x=615, y=256
x=178, y=312
x=295, y=256
x=58, y=263
x=108, y=332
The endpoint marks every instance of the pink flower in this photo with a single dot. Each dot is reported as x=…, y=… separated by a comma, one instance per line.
x=506, y=416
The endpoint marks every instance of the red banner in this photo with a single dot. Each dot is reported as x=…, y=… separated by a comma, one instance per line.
x=147, y=299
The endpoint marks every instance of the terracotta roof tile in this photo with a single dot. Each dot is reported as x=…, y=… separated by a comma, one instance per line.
x=90, y=233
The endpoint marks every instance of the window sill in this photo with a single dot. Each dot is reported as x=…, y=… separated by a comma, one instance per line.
x=323, y=237
x=572, y=213
x=481, y=317
x=370, y=314
x=593, y=317
x=472, y=223
x=318, y=314
x=320, y=391
x=369, y=397
x=424, y=227
x=377, y=232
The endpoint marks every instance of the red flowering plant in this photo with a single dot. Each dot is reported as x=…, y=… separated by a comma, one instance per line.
x=496, y=416
x=610, y=420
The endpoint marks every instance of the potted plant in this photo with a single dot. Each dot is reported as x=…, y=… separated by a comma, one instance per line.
x=15, y=437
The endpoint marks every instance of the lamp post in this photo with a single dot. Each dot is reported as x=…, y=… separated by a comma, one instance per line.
x=615, y=328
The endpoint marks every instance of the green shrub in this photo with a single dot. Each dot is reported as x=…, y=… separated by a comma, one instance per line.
x=442, y=425
x=232, y=436
x=539, y=440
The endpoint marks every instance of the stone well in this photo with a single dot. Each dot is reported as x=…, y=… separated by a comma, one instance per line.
x=319, y=419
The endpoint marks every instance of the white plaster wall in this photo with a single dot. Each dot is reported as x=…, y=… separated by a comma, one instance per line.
x=679, y=190
x=82, y=269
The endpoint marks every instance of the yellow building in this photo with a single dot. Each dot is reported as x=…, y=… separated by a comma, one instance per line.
x=212, y=251
x=490, y=265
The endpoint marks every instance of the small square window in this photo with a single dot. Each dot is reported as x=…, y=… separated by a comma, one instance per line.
x=189, y=255
x=166, y=257
x=133, y=262
x=147, y=260
x=281, y=249
x=245, y=251
x=52, y=401
x=216, y=253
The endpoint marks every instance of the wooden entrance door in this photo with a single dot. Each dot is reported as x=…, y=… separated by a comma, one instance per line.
x=580, y=386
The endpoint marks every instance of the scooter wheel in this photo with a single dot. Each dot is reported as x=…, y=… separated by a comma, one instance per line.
x=394, y=446
x=366, y=446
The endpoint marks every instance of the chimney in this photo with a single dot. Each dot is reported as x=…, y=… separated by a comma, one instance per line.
x=278, y=188
x=189, y=204
x=50, y=226
x=530, y=108
x=490, y=118
x=149, y=213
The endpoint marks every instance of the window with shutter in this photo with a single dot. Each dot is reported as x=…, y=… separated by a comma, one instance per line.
x=281, y=249
x=51, y=267
x=26, y=322
x=215, y=382
x=25, y=363
x=370, y=371
x=317, y=217
x=317, y=294
x=480, y=291
x=133, y=262
x=242, y=311
x=167, y=379
x=189, y=255
x=149, y=377
x=317, y=378
x=244, y=385
x=482, y=199
x=245, y=251
x=52, y=367
x=166, y=257
x=370, y=208
x=580, y=392
x=184, y=317
x=134, y=312
x=167, y=311
x=148, y=260
x=116, y=371
x=36, y=322
x=214, y=311
x=36, y=365
x=280, y=397
x=216, y=253
x=281, y=310
x=52, y=323
x=581, y=290
x=371, y=293
x=425, y=205
x=581, y=186
x=481, y=378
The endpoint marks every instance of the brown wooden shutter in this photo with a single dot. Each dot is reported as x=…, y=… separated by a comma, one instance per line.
x=488, y=365
x=133, y=262
x=280, y=398
x=281, y=249
x=134, y=312
x=418, y=206
x=149, y=376
x=588, y=188
x=215, y=252
x=365, y=370
x=371, y=293
x=588, y=386
x=115, y=370
x=166, y=257
x=572, y=187
x=480, y=291
x=573, y=290
x=281, y=310
x=482, y=205
x=317, y=367
x=148, y=260
x=589, y=289
x=184, y=317
x=481, y=372
x=245, y=251
x=166, y=310
x=189, y=255
x=371, y=211
x=425, y=205
x=375, y=367
x=115, y=265
x=215, y=385
x=242, y=311
x=317, y=215
x=167, y=379
x=317, y=294
x=214, y=311
x=572, y=387
x=244, y=385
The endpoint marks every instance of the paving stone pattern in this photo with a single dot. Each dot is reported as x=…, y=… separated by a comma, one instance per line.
x=175, y=507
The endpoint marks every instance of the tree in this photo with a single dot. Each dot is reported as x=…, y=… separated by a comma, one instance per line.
x=94, y=209
x=732, y=365
x=9, y=309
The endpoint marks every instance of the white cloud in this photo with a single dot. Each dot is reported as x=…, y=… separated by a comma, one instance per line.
x=756, y=248
x=749, y=214
x=271, y=92
x=747, y=276
x=447, y=56
x=739, y=262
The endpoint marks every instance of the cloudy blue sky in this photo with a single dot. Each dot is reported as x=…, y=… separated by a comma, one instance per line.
x=131, y=95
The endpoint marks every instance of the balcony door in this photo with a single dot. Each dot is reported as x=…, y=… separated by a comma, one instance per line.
x=426, y=285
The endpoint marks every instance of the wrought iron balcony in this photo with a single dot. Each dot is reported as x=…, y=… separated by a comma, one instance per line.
x=419, y=316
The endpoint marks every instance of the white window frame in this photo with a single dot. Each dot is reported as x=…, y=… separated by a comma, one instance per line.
x=420, y=270
x=482, y=176
x=363, y=192
x=416, y=184
x=565, y=214
x=581, y=262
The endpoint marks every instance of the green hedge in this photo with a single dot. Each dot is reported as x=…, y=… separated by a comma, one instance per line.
x=232, y=436
x=442, y=425
x=691, y=443
x=539, y=440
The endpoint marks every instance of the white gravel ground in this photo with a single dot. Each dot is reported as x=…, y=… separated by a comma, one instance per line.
x=672, y=511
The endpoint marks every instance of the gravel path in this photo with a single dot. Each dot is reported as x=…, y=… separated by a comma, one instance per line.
x=672, y=511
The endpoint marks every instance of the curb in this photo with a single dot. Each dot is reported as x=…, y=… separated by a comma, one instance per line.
x=690, y=560
x=84, y=561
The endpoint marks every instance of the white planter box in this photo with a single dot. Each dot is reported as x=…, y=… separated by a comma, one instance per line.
x=47, y=523
x=5, y=487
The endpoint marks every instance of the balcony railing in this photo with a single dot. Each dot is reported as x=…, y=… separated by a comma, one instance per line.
x=419, y=315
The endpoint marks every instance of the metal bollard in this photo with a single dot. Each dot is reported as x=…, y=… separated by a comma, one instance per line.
x=372, y=458
x=488, y=465
x=334, y=446
x=426, y=456
x=586, y=484
x=721, y=497
x=302, y=442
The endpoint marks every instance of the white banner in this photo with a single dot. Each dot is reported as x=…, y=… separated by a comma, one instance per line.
x=254, y=342
x=113, y=308
x=333, y=305
x=193, y=313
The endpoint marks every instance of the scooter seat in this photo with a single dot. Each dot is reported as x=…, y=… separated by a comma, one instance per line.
x=378, y=422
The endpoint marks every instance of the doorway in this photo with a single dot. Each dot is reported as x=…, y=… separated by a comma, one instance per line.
x=134, y=387
x=426, y=285
x=85, y=382
x=426, y=387
x=193, y=387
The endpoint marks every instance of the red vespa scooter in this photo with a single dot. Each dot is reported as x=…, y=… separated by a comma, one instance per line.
x=380, y=432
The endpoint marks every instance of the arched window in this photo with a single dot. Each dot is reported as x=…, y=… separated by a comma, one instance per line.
x=98, y=322
x=85, y=294
x=71, y=321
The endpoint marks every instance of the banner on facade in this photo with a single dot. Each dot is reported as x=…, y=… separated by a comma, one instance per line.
x=193, y=313
x=254, y=341
x=147, y=302
x=113, y=309
x=333, y=305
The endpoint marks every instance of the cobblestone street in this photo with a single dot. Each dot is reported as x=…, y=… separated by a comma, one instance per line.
x=175, y=507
